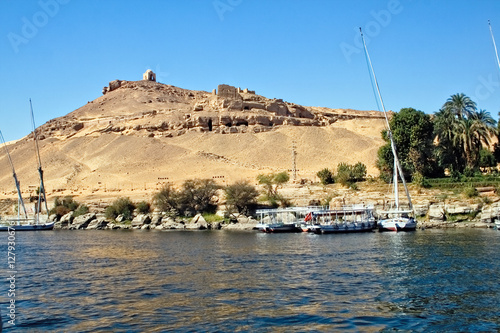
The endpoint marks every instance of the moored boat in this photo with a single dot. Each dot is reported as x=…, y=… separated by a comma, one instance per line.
x=22, y=222
x=348, y=219
x=292, y=219
x=397, y=219
x=29, y=225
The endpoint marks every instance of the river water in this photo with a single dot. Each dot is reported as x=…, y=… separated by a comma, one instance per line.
x=146, y=281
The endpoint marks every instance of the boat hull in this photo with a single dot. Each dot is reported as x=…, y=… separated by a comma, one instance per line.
x=397, y=224
x=344, y=228
x=281, y=228
x=28, y=227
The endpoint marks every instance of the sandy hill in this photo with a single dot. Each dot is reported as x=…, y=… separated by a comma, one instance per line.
x=141, y=134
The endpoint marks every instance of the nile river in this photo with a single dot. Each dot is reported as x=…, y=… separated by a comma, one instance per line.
x=219, y=281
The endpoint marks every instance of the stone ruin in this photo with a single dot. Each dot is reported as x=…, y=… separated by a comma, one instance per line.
x=227, y=91
x=149, y=75
x=112, y=86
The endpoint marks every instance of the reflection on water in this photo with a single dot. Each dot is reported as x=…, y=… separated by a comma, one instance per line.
x=229, y=281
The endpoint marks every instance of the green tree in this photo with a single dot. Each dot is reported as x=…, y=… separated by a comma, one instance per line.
x=121, y=206
x=449, y=151
x=197, y=196
x=64, y=206
x=143, y=207
x=344, y=174
x=167, y=200
x=241, y=196
x=486, y=159
x=272, y=183
x=348, y=175
x=326, y=176
x=359, y=172
x=462, y=131
x=413, y=134
x=460, y=105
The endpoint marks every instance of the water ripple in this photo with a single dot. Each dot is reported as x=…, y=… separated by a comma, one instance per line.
x=223, y=281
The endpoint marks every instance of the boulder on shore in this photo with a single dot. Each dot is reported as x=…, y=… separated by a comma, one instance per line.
x=82, y=221
x=197, y=223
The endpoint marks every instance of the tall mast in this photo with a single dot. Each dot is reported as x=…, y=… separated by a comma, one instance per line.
x=18, y=186
x=41, y=195
x=397, y=165
x=494, y=44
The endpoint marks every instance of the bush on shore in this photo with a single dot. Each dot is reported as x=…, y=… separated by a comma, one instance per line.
x=121, y=206
x=66, y=205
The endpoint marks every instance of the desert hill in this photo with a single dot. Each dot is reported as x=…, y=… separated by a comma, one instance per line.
x=140, y=134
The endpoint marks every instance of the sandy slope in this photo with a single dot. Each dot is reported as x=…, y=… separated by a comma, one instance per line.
x=95, y=164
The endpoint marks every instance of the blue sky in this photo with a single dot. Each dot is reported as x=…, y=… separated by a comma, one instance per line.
x=60, y=53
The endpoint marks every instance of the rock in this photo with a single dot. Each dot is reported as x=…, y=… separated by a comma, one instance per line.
x=145, y=227
x=488, y=214
x=99, y=223
x=82, y=221
x=120, y=218
x=197, y=223
x=140, y=220
x=170, y=224
x=66, y=219
x=215, y=226
x=53, y=217
x=421, y=209
x=436, y=212
x=156, y=219
x=461, y=209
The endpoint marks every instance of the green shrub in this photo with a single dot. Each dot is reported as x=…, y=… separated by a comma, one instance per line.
x=81, y=210
x=168, y=199
x=420, y=180
x=143, y=207
x=326, y=176
x=272, y=183
x=64, y=206
x=241, y=196
x=349, y=174
x=196, y=196
x=470, y=192
x=121, y=206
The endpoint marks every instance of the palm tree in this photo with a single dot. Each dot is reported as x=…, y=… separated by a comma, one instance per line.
x=449, y=151
x=460, y=105
x=461, y=131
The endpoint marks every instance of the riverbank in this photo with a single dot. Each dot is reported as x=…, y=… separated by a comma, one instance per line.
x=433, y=208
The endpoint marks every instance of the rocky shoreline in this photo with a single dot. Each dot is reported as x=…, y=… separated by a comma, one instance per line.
x=153, y=221
x=429, y=215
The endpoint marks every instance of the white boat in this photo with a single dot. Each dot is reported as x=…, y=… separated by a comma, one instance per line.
x=348, y=219
x=396, y=219
x=289, y=219
x=23, y=222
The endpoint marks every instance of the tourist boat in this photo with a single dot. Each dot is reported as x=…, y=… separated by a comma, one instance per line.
x=348, y=219
x=282, y=219
x=24, y=223
x=396, y=219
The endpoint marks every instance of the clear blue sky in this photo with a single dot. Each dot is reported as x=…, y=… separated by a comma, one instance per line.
x=60, y=53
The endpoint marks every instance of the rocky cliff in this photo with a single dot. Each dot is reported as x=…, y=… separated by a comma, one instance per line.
x=148, y=108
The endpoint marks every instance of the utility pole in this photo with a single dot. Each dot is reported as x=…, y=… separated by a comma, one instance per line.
x=294, y=162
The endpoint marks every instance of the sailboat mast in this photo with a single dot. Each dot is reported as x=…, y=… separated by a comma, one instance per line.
x=397, y=166
x=41, y=195
x=494, y=44
x=18, y=186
